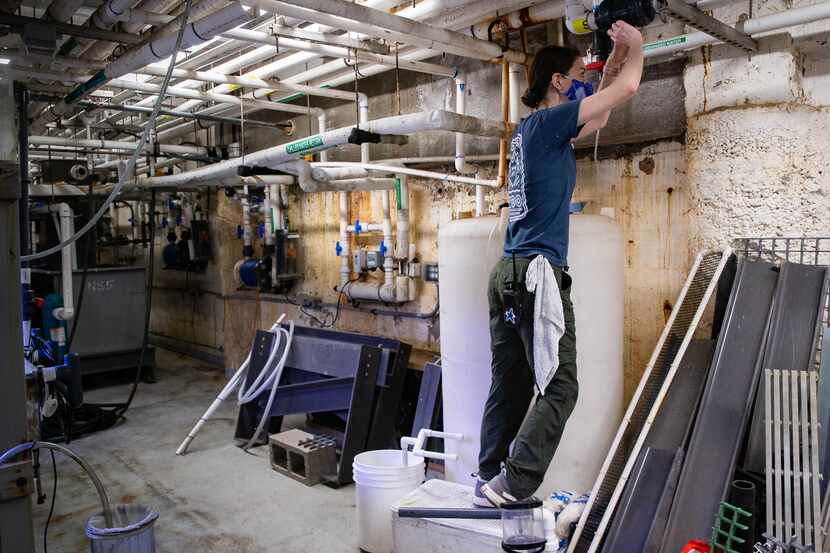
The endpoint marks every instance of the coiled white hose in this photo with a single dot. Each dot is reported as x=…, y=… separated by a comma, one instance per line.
x=268, y=377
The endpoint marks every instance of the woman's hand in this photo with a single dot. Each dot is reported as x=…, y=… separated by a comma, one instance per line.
x=625, y=35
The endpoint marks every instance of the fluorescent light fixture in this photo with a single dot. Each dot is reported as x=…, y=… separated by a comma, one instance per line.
x=4, y=61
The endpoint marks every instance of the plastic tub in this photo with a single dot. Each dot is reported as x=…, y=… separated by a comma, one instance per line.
x=381, y=480
x=133, y=531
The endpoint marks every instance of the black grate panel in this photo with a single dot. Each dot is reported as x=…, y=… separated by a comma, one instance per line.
x=703, y=279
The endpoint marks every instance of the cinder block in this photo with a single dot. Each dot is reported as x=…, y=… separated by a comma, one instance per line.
x=302, y=456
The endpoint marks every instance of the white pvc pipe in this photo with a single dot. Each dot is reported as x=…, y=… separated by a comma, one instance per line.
x=402, y=219
x=388, y=262
x=401, y=124
x=517, y=79
x=445, y=177
x=67, y=225
x=321, y=174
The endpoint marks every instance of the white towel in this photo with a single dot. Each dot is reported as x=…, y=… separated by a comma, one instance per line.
x=548, y=320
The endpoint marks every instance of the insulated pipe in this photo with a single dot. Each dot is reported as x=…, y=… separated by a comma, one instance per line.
x=354, y=17
x=342, y=173
x=62, y=10
x=115, y=145
x=155, y=6
x=159, y=48
x=752, y=27
x=401, y=124
x=197, y=32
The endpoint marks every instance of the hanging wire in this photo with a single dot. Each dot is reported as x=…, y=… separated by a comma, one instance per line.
x=356, y=93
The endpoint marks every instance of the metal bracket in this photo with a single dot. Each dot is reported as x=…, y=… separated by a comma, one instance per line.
x=15, y=480
x=693, y=17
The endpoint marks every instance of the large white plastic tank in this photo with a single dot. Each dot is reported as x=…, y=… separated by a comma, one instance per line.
x=467, y=250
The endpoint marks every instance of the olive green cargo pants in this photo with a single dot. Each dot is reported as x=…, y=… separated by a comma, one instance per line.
x=537, y=435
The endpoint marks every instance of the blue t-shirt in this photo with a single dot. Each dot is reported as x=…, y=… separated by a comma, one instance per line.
x=541, y=179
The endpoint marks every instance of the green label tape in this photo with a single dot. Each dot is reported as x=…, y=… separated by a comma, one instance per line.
x=664, y=43
x=304, y=144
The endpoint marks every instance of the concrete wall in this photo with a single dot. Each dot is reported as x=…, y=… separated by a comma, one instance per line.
x=720, y=147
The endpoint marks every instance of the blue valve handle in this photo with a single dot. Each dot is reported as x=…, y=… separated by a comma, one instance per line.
x=382, y=248
x=338, y=249
x=239, y=232
x=357, y=227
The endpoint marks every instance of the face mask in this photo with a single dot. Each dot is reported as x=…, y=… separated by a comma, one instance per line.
x=579, y=90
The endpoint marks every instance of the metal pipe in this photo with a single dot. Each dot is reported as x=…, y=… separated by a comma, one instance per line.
x=444, y=177
x=505, y=115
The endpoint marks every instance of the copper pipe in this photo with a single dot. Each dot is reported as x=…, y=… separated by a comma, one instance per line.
x=505, y=116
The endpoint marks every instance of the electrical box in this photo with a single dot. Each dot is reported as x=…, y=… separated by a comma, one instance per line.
x=374, y=260
x=359, y=261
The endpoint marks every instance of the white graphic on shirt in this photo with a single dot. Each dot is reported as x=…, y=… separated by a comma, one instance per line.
x=516, y=181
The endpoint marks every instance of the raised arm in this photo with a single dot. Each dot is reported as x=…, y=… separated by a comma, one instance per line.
x=625, y=85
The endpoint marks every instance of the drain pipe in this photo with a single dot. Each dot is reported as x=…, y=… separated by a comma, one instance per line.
x=342, y=247
x=67, y=224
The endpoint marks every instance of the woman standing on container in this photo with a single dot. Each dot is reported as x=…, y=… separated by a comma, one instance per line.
x=533, y=335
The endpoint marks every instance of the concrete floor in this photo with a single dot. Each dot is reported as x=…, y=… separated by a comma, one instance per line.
x=216, y=499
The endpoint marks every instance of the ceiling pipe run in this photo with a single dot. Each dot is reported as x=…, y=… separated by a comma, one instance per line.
x=354, y=17
x=277, y=156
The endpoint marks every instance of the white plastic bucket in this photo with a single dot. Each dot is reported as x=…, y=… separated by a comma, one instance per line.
x=381, y=479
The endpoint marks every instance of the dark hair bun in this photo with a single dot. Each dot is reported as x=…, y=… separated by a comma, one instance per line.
x=531, y=98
